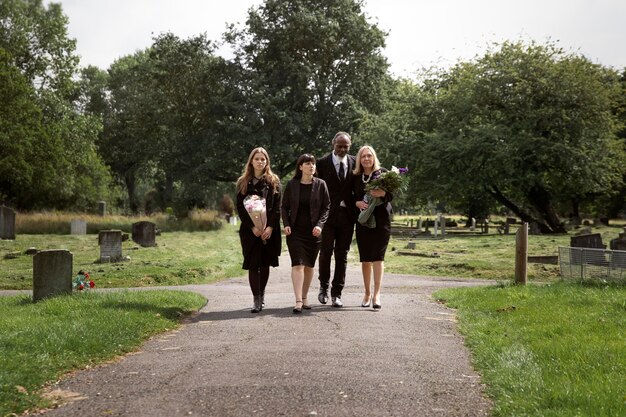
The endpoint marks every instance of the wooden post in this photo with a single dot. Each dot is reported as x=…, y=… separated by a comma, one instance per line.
x=521, y=254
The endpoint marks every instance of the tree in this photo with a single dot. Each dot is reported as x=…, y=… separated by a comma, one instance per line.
x=312, y=68
x=53, y=160
x=529, y=125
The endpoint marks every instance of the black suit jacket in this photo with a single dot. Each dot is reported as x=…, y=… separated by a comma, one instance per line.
x=337, y=190
x=320, y=203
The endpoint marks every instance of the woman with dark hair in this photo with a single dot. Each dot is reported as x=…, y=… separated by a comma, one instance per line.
x=260, y=246
x=372, y=242
x=304, y=211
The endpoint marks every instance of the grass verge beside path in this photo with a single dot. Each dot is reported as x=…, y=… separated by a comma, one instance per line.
x=180, y=258
x=552, y=350
x=41, y=341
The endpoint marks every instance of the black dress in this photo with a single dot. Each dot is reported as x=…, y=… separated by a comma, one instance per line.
x=303, y=246
x=255, y=253
x=372, y=243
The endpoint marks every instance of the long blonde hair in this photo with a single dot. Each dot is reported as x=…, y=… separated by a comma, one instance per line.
x=358, y=169
x=248, y=173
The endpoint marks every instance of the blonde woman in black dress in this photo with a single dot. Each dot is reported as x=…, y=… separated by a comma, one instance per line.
x=372, y=242
x=260, y=248
x=304, y=211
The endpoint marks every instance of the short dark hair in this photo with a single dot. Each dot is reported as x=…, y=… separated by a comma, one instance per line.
x=305, y=157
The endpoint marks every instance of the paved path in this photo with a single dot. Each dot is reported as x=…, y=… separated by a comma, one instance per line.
x=405, y=360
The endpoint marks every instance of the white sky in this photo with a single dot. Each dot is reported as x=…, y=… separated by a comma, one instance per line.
x=422, y=33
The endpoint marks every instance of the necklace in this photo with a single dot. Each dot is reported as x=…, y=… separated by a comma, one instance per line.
x=369, y=177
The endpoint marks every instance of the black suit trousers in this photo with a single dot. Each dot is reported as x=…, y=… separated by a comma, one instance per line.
x=336, y=240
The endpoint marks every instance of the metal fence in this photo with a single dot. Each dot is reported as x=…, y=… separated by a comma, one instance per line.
x=592, y=264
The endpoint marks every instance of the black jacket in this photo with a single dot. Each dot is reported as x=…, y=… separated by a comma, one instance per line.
x=337, y=190
x=320, y=203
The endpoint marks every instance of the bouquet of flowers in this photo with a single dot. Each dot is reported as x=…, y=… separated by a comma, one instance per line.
x=83, y=281
x=390, y=181
x=255, y=206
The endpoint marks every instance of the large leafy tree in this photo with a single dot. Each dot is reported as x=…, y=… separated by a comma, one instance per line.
x=53, y=160
x=527, y=124
x=311, y=68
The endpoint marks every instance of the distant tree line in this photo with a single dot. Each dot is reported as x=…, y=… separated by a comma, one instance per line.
x=527, y=128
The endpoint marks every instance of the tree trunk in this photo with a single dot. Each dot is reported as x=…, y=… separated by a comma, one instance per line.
x=495, y=192
x=130, y=181
x=540, y=198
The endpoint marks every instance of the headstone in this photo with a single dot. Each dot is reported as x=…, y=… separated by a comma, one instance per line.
x=442, y=222
x=52, y=273
x=110, y=242
x=426, y=225
x=233, y=220
x=144, y=234
x=511, y=220
x=436, y=226
x=534, y=228
x=506, y=228
x=7, y=223
x=78, y=227
x=410, y=245
x=102, y=208
x=619, y=243
x=419, y=223
x=473, y=226
x=593, y=240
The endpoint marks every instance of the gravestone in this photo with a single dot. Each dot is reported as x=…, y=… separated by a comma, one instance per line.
x=511, y=220
x=110, y=242
x=102, y=208
x=52, y=273
x=144, y=234
x=78, y=227
x=436, y=226
x=619, y=243
x=419, y=223
x=593, y=240
x=410, y=245
x=7, y=223
x=442, y=222
x=473, y=226
x=534, y=228
x=233, y=220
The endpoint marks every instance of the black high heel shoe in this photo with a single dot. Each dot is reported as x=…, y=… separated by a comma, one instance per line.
x=296, y=309
x=375, y=305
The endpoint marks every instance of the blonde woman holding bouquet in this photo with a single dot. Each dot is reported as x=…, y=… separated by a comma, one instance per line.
x=305, y=208
x=371, y=241
x=258, y=207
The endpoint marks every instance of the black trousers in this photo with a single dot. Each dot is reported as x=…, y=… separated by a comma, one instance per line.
x=336, y=240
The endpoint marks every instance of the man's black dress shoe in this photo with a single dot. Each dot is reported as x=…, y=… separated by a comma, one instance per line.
x=337, y=302
x=322, y=297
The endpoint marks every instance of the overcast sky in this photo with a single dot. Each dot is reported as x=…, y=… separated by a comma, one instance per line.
x=422, y=33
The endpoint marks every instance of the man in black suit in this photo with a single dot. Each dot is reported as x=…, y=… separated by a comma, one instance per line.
x=336, y=169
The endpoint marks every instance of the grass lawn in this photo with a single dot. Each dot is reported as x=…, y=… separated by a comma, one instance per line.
x=41, y=341
x=180, y=258
x=547, y=350
x=478, y=256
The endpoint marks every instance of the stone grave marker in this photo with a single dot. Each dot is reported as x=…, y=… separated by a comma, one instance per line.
x=419, y=223
x=7, y=223
x=144, y=233
x=442, y=222
x=78, y=227
x=102, y=208
x=619, y=243
x=52, y=273
x=110, y=242
x=473, y=226
x=593, y=240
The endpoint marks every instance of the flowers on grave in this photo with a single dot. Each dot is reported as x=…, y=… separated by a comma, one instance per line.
x=83, y=281
x=255, y=206
x=391, y=181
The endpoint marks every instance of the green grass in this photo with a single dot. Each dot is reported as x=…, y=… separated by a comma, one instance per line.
x=478, y=256
x=41, y=341
x=180, y=258
x=550, y=350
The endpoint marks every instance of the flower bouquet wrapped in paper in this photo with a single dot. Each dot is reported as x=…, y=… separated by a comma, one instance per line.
x=255, y=206
x=390, y=181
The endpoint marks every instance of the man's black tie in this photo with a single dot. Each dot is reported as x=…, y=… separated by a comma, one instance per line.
x=342, y=174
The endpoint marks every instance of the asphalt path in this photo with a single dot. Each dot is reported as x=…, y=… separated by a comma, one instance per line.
x=406, y=359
